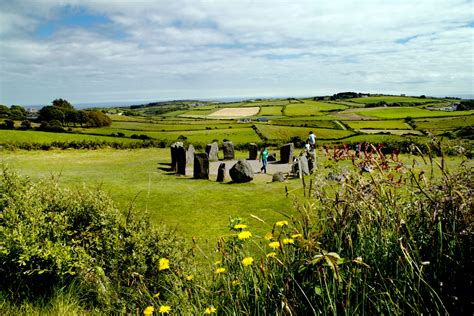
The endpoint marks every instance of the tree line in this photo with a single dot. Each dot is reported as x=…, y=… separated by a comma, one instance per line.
x=54, y=117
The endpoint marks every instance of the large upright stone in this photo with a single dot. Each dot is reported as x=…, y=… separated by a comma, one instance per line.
x=212, y=151
x=253, y=151
x=311, y=165
x=286, y=153
x=272, y=157
x=241, y=172
x=201, y=166
x=221, y=173
x=228, y=149
x=181, y=160
x=190, y=154
x=304, y=164
x=174, y=157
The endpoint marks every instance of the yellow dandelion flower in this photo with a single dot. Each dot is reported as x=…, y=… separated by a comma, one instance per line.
x=156, y=295
x=218, y=262
x=274, y=244
x=240, y=226
x=247, y=261
x=244, y=235
x=296, y=236
x=219, y=270
x=164, y=309
x=164, y=264
x=148, y=311
x=281, y=223
x=287, y=241
x=271, y=254
x=190, y=277
x=210, y=310
x=235, y=282
x=268, y=236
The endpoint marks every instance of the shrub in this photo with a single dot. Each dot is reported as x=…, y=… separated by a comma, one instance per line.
x=52, y=237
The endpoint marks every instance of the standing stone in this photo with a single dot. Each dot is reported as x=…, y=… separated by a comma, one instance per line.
x=241, y=172
x=304, y=165
x=272, y=157
x=174, y=157
x=181, y=160
x=253, y=151
x=228, y=149
x=295, y=167
x=286, y=153
x=201, y=166
x=310, y=165
x=278, y=177
x=212, y=150
x=221, y=172
x=190, y=154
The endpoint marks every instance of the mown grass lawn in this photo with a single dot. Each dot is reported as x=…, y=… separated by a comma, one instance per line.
x=196, y=208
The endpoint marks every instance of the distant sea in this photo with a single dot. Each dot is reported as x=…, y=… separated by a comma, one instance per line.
x=112, y=104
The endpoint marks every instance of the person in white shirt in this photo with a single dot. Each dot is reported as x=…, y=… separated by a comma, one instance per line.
x=312, y=140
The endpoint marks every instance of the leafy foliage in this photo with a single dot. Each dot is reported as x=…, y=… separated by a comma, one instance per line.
x=52, y=237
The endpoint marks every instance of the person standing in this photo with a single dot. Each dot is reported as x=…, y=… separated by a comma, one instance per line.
x=263, y=158
x=312, y=140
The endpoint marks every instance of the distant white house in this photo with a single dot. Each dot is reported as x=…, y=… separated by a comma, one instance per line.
x=450, y=108
x=244, y=120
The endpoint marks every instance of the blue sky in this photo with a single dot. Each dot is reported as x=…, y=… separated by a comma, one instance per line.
x=101, y=50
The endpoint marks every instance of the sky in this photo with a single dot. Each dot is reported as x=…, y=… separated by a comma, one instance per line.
x=119, y=51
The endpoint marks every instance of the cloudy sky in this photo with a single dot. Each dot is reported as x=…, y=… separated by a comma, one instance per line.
x=104, y=50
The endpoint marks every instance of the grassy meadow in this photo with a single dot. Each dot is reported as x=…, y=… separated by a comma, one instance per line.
x=403, y=112
x=114, y=231
x=196, y=208
x=392, y=99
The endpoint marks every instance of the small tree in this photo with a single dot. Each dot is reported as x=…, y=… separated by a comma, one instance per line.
x=26, y=124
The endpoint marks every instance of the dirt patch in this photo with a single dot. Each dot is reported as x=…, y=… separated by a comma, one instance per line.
x=236, y=112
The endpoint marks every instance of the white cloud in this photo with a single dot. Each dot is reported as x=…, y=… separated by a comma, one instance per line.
x=204, y=48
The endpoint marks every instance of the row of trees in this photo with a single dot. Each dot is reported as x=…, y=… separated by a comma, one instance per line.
x=58, y=115
x=15, y=112
x=62, y=111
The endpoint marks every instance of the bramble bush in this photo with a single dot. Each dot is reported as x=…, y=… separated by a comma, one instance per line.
x=51, y=237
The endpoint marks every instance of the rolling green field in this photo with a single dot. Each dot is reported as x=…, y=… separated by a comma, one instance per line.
x=403, y=112
x=372, y=124
x=286, y=132
x=311, y=108
x=306, y=123
x=270, y=110
x=200, y=112
x=392, y=99
x=445, y=123
x=391, y=131
x=8, y=136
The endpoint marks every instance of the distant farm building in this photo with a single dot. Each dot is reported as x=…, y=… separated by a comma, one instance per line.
x=244, y=120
